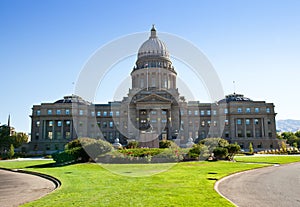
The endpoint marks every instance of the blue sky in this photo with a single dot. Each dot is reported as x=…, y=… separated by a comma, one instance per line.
x=45, y=44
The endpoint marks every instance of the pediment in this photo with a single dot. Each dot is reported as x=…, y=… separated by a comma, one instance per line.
x=153, y=98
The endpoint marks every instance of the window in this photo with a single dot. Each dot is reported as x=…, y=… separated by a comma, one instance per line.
x=208, y=123
x=80, y=112
x=58, y=112
x=50, y=135
x=80, y=123
x=269, y=121
x=248, y=110
x=196, y=112
x=203, y=123
x=182, y=112
x=38, y=112
x=67, y=111
x=111, y=124
x=226, y=122
x=37, y=123
x=98, y=113
x=227, y=134
x=105, y=113
x=239, y=133
x=208, y=112
x=49, y=111
x=239, y=110
x=189, y=112
x=104, y=124
x=256, y=110
x=111, y=113
x=202, y=112
x=163, y=112
x=92, y=113
x=248, y=133
x=239, y=121
x=153, y=112
x=153, y=120
x=50, y=123
x=68, y=123
x=247, y=121
x=214, y=112
x=37, y=135
x=255, y=121
x=268, y=110
x=215, y=123
x=164, y=121
x=59, y=123
x=117, y=113
x=226, y=111
x=99, y=124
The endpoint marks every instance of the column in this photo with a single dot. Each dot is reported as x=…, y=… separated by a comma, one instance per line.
x=262, y=127
x=253, y=130
x=245, y=130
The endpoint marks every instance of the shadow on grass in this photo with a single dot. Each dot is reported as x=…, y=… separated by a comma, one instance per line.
x=51, y=165
x=253, y=162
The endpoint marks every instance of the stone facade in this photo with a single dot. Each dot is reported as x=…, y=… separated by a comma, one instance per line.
x=153, y=111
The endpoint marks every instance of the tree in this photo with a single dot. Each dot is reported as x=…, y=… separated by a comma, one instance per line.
x=220, y=152
x=18, y=139
x=11, y=151
x=232, y=150
x=251, y=148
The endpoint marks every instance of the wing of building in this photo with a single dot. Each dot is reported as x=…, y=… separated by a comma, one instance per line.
x=152, y=111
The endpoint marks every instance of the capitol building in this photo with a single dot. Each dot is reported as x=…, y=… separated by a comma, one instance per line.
x=153, y=110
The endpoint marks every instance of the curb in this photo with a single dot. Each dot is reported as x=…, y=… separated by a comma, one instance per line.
x=56, y=182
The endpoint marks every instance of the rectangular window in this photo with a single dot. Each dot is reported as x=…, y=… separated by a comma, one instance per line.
x=50, y=135
x=189, y=112
x=37, y=123
x=49, y=112
x=215, y=123
x=226, y=111
x=92, y=113
x=153, y=120
x=247, y=121
x=202, y=112
x=248, y=110
x=68, y=135
x=203, y=123
x=80, y=112
x=239, y=110
x=38, y=112
x=50, y=123
x=255, y=121
x=214, y=112
x=256, y=110
x=104, y=124
x=68, y=123
x=59, y=123
x=105, y=113
x=226, y=122
x=248, y=133
x=182, y=112
x=67, y=111
x=163, y=112
x=99, y=124
x=269, y=121
x=239, y=121
x=111, y=124
x=153, y=112
x=208, y=123
x=196, y=112
x=111, y=113
x=208, y=112
x=117, y=113
x=98, y=113
x=268, y=110
x=58, y=112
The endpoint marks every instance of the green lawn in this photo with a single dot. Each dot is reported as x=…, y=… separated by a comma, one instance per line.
x=184, y=184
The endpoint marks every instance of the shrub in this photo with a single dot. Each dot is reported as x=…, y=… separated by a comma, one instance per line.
x=220, y=152
x=165, y=144
x=198, y=151
x=132, y=145
x=82, y=150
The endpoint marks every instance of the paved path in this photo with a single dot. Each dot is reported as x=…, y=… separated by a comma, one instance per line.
x=271, y=186
x=19, y=188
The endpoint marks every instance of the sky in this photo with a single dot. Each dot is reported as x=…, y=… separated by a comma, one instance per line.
x=45, y=44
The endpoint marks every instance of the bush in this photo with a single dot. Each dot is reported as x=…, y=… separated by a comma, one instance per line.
x=198, y=152
x=82, y=150
x=165, y=144
x=220, y=152
x=132, y=145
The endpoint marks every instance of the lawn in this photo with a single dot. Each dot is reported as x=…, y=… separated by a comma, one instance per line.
x=184, y=184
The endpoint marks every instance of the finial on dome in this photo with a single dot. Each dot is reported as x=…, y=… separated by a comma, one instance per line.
x=153, y=32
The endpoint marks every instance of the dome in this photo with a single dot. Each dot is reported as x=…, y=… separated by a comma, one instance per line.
x=234, y=97
x=153, y=47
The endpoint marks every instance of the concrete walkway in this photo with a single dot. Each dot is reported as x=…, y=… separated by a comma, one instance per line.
x=19, y=188
x=274, y=186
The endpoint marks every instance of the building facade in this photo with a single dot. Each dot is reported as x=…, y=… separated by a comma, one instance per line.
x=153, y=110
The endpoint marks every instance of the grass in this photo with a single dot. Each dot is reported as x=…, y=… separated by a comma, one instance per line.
x=184, y=184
